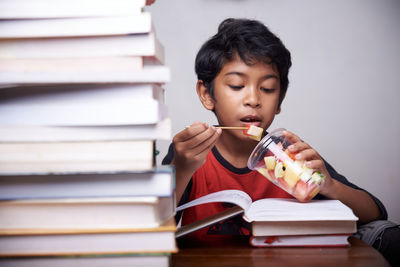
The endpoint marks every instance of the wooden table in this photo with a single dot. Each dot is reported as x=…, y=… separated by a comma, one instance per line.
x=242, y=254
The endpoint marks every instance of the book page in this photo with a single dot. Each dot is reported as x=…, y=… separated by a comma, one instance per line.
x=237, y=197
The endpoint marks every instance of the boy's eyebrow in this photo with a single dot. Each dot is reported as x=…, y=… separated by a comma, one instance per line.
x=234, y=73
x=268, y=76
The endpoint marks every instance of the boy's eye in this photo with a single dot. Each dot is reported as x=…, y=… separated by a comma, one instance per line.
x=236, y=87
x=268, y=90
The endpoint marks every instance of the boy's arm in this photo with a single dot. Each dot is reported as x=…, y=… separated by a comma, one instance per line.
x=362, y=204
x=341, y=179
x=191, y=147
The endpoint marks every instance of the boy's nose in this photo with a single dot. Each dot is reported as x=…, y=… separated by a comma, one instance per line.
x=252, y=97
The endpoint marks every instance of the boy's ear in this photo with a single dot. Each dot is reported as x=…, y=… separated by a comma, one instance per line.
x=278, y=110
x=204, y=95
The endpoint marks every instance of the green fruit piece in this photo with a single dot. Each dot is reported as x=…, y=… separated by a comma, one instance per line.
x=317, y=178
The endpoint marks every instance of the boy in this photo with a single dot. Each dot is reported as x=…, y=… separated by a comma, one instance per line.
x=243, y=77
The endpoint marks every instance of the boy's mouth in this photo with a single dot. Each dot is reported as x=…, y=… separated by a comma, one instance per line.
x=251, y=119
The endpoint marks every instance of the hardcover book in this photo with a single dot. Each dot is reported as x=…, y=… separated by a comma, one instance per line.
x=83, y=105
x=79, y=26
x=158, y=182
x=27, y=9
x=74, y=157
x=82, y=242
x=68, y=215
x=145, y=45
x=338, y=240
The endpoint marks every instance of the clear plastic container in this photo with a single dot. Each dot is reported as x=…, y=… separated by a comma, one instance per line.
x=272, y=159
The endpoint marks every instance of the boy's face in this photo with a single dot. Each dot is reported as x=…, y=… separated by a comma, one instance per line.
x=244, y=94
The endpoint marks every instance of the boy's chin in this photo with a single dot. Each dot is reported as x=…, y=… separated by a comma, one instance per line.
x=247, y=139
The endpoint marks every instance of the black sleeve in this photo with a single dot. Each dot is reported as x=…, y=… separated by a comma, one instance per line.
x=169, y=157
x=335, y=175
x=185, y=197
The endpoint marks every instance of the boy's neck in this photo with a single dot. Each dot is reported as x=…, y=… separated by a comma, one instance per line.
x=236, y=152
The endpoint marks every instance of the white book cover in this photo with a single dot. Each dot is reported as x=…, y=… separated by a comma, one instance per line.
x=28, y=9
x=69, y=65
x=69, y=27
x=151, y=73
x=82, y=105
x=287, y=228
x=73, y=157
x=339, y=240
x=63, y=242
x=85, y=214
x=158, y=182
x=145, y=44
x=36, y=133
x=130, y=260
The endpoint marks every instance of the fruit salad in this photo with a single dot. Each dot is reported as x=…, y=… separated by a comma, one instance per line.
x=291, y=175
x=253, y=132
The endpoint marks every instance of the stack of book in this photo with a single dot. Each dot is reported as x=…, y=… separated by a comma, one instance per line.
x=290, y=223
x=82, y=105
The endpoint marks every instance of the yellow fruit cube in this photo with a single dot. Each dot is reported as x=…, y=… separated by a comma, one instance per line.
x=292, y=174
x=255, y=132
x=270, y=162
x=264, y=172
x=313, y=193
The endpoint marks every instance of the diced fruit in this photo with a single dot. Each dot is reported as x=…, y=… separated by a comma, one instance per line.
x=268, y=153
x=270, y=162
x=301, y=190
x=278, y=152
x=265, y=172
x=290, y=154
x=317, y=178
x=272, y=174
x=313, y=193
x=284, y=185
x=306, y=174
x=279, y=170
x=254, y=132
x=299, y=163
x=292, y=174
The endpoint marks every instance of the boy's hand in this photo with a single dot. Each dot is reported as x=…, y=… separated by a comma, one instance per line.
x=193, y=144
x=311, y=157
x=191, y=148
x=362, y=204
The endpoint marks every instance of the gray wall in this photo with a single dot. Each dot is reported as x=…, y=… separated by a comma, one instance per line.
x=344, y=83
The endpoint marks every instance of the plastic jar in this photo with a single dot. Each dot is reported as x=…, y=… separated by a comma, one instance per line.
x=272, y=159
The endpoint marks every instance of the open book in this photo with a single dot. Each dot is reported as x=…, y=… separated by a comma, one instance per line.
x=273, y=216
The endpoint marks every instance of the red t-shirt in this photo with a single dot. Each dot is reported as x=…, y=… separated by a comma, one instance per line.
x=217, y=174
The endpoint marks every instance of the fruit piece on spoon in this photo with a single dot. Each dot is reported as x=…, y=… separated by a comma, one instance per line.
x=254, y=132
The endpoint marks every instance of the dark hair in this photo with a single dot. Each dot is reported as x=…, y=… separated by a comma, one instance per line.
x=252, y=41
